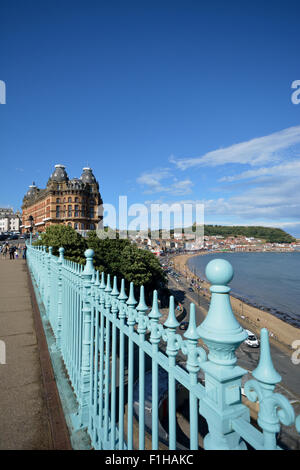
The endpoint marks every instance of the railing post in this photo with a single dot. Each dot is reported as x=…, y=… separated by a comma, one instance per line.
x=59, y=303
x=131, y=302
x=87, y=275
x=101, y=356
x=222, y=334
x=122, y=315
x=107, y=297
x=194, y=356
x=172, y=349
x=142, y=328
x=114, y=311
x=155, y=336
x=273, y=407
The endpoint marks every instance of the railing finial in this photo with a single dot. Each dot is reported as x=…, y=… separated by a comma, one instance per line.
x=89, y=267
x=122, y=295
x=171, y=321
x=155, y=313
x=220, y=326
x=115, y=291
x=108, y=286
x=265, y=371
x=192, y=333
x=131, y=300
x=142, y=307
x=102, y=285
x=61, y=253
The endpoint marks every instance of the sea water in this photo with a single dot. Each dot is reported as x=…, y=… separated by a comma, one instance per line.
x=266, y=280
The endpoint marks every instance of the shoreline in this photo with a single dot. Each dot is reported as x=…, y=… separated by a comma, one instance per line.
x=251, y=317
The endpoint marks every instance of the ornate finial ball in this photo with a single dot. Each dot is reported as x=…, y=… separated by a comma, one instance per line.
x=219, y=272
x=89, y=253
x=61, y=249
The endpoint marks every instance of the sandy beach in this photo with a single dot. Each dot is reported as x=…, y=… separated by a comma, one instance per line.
x=249, y=317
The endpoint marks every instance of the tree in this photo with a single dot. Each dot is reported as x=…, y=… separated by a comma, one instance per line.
x=119, y=257
x=116, y=257
x=64, y=236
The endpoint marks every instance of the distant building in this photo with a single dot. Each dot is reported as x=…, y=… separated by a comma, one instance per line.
x=74, y=202
x=9, y=221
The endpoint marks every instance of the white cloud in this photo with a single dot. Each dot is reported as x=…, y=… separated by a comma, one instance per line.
x=271, y=196
x=154, y=177
x=254, y=152
x=152, y=180
x=283, y=170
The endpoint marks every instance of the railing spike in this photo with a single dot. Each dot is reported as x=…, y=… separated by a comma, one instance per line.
x=131, y=299
x=155, y=313
x=142, y=307
x=115, y=291
x=102, y=285
x=171, y=321
x=192, y=333
x=265, y=371
x=108, y=286
x=122, y=295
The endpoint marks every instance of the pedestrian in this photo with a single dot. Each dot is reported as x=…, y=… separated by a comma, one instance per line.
x=24, y=251
x=12, y=250
x=4, y=250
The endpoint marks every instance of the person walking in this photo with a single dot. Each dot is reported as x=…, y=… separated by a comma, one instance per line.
x=12, y=252
x=4, y=250
x=24, y=251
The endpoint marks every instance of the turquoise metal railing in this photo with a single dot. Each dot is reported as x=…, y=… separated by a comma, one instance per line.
x=108, y=343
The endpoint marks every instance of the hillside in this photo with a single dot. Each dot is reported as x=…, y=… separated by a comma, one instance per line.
x=269, y=234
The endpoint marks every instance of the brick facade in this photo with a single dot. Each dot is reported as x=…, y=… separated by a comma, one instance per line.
x=75, y=202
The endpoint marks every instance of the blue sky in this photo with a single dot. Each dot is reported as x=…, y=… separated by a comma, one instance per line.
x=166, y=101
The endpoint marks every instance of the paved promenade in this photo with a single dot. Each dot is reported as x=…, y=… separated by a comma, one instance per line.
x=30, y=416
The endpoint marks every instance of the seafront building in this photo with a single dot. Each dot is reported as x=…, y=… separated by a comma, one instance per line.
x=74, y=202
x=10, y=221
x=216, y=244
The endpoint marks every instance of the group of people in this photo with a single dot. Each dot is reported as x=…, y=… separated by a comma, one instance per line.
x=13, y=251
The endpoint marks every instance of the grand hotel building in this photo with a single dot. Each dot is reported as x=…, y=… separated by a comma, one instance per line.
x=75, y=202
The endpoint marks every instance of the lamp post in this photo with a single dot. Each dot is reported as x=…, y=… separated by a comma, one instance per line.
x=30, y=218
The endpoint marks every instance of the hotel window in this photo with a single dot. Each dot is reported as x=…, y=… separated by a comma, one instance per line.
x=57, y=212
x=69, y=211
x=57, y=200
x=82, y=226
x=76, y=199
x=69, y=224
x=91, y=213
x=76, y=226
x=69, y=199
x=76, y=211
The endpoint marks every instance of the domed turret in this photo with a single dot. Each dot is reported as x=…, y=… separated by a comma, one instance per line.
x=87, y=176
x=59, y=175
x=32, y=190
